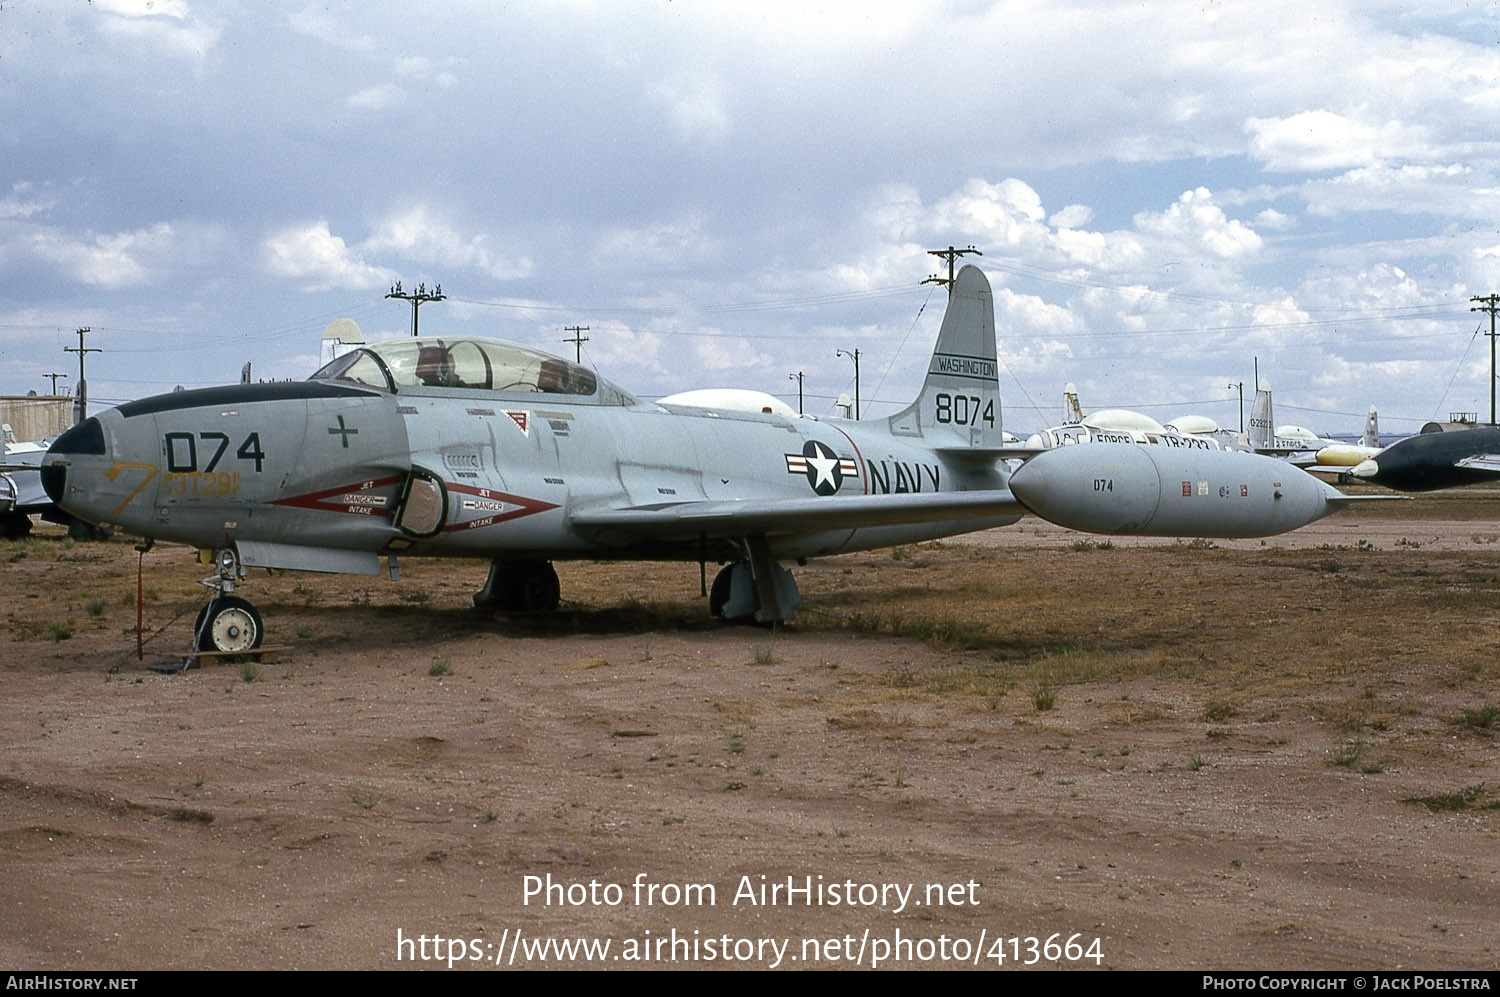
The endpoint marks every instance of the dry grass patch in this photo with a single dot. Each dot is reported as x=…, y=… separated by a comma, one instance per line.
x=737, y=711
x=1364, y=713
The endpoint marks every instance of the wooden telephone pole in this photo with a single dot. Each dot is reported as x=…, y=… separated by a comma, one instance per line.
x=1489, y=303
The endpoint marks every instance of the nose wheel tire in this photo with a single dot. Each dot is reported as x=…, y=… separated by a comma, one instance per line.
x=229, y=624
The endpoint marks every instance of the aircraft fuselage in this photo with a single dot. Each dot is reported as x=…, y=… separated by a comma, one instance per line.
x=453, y=472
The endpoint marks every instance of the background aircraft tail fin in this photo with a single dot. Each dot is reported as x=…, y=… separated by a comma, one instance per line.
x=959, y=404
x=1072, y=412
x=1372, y=430
x=1262, y=427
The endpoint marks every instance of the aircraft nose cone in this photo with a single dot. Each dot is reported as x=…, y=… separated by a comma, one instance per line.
x=1094, y=487
x=1028, y=482
x=84, y=439
x=54, y=482
x=1365, y=469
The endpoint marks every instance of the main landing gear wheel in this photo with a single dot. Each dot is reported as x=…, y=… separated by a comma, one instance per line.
x=229, y=624
x=14, y=526
x=536, y=588
x=520, y=587
x=720, y=593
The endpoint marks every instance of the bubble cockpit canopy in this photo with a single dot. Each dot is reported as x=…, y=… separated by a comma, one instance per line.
x=470, y=364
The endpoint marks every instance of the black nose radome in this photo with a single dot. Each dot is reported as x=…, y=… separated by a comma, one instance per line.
x=85, y=438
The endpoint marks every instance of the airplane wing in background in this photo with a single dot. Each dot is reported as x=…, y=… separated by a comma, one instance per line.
x=1484, y=463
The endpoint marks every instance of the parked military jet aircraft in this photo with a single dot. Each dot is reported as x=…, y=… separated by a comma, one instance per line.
x=1114, y=426
x=1429, y=461
x=459, y=447
x=1302, y=446
x=21, y=492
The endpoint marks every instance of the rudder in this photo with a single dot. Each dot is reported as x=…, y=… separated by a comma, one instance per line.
x=959, y=404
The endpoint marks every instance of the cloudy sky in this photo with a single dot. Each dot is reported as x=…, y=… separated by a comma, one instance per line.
x=726, y=194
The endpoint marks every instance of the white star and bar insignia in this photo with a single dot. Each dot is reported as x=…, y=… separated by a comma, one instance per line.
x=825, y=470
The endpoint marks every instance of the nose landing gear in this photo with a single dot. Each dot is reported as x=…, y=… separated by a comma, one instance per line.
x=228, y=624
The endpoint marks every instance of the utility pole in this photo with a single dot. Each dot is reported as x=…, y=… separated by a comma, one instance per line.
x=1489, y=303
x=417, y=298
x=578, y=339
x=951, y=255
x=81, y=397
x=1241, y=386
x=855, y=357
x=798, y=378
x=54, y=381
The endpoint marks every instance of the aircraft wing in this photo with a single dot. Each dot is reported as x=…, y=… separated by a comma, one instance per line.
x=778, y=517
x=1485, y=463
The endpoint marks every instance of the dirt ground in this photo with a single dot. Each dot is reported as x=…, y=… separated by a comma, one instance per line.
x=1154, y=755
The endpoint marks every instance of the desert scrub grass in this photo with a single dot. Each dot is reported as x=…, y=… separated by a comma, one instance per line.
x=440, y=666
x=1089, y=544
x=249, y=672
x=859, y=719
x=985, y=680
x=1356, y=755
x=949, y=631
x=765, y=654
x=1482, y=720
x=1218, y=711
x=1080, y=665
x=740, y=712
x=1470, y=798
x=1357, y=715
x=1360, y=545
x=1043, y=698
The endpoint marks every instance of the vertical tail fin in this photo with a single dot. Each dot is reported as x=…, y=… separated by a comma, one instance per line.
x=959, y=404
x=1262, y=427
x=1072, y=413
x=1372, y=430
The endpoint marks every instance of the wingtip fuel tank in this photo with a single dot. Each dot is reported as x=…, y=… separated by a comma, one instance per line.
x=1154, y=491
